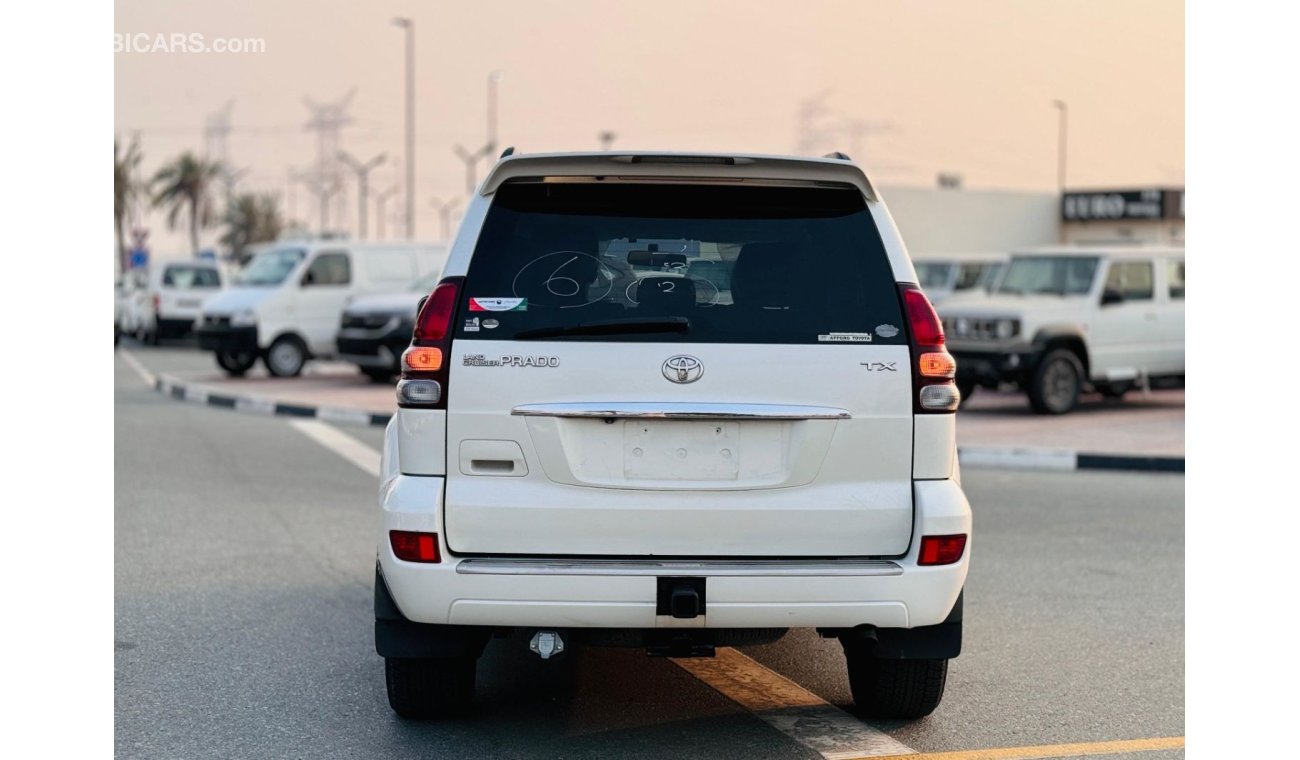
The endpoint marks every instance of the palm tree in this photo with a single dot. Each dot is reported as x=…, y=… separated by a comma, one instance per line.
x=251, y=219
x=186, y=184
x=126, y=189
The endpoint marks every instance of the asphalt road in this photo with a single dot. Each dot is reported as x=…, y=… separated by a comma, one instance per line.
x=243, y=566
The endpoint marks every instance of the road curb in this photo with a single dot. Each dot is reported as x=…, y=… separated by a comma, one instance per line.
x=1064, y=460
x=259, y=405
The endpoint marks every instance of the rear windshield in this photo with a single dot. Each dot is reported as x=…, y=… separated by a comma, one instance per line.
x=680, y=264
x=1057, y=275
x=187, y=277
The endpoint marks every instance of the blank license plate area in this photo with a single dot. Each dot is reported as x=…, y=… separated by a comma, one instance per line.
x=681, y=450
x=189, y=303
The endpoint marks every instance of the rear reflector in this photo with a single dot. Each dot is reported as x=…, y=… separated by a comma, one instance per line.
x=942, y=550
x=422, y=359
x=414, y=547
x=937, y=364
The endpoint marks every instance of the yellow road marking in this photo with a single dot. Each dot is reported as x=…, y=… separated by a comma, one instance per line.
x=790, y=708
x=1048, y=750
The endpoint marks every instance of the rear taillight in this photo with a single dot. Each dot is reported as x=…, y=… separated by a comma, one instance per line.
x=157, y=301
x=424, y=365
x=941, y=550
x=933, y=368
x=414, y=547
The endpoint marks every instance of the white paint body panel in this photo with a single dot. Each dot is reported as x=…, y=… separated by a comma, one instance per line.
x=437, y=593
x=756, y=488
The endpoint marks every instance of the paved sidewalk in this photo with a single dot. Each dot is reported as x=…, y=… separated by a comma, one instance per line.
x=1141, y=423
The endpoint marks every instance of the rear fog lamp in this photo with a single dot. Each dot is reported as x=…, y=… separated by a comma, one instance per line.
x=410, y=546
x=418, y=392
x=940, y=397
x=942, y=550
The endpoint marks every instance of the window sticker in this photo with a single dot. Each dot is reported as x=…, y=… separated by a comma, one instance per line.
x=471, y=324
x=498, y=304
x=844, y=337
x=491, y=323
x=886, y=331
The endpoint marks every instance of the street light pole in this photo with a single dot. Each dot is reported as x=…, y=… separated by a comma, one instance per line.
x=409, y=26
x=1061, y=143
x=493, y=80
x=381, y=200
x=363, y=184
x=444, y=214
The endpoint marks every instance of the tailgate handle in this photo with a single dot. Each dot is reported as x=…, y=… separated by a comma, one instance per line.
x=682, y=411
x=499, y=458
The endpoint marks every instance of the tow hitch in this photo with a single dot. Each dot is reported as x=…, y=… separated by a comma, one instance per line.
x=546, y=644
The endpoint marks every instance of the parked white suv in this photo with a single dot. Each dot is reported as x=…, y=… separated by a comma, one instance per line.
x=675, y=402
x=1062, y=320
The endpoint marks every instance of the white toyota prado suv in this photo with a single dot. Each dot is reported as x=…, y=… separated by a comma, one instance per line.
x=673, y=402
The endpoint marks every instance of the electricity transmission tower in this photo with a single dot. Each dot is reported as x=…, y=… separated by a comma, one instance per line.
x=216, y=134
x=327, y=121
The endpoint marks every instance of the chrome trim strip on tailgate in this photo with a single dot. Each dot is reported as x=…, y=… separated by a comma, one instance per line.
x=656, y=567
x=678, y=410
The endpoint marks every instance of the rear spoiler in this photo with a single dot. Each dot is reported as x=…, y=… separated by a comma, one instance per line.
x=836, y=168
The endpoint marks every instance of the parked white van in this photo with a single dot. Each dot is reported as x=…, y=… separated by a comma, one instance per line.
x=166, y=299
x=284, y=307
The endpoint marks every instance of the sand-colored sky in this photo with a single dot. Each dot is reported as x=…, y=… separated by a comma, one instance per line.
x=940, y=85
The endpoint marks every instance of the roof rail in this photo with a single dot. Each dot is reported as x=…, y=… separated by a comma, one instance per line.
x=508, y=151
x=838, y=155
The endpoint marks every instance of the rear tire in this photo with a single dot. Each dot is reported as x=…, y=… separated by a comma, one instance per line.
x=420, y=689
x=895, y=688
x=235, y=365
x=1056, y=382
x=285, y=357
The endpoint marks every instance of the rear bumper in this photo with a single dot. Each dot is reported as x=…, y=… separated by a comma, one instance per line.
x=174, y=326
x=226, y=339
x=577, y=593
x=374, y=349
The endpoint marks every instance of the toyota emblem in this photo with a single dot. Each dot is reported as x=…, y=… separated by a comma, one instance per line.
x=683, y=369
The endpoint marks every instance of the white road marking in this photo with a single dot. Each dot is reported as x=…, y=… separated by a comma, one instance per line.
x=342, y=416
x=340, y=443
x=790, y=708
x=135, y=364
x=1016, y=458
x=775, y=699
